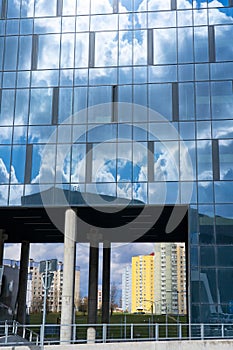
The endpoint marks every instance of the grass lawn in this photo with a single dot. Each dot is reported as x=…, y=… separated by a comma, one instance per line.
x=53, y=318
x=121, y=330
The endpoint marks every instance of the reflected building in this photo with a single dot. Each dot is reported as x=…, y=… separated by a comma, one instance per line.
x=126, y=282
x=142, y=286
x=170, y=278
x=128, y=99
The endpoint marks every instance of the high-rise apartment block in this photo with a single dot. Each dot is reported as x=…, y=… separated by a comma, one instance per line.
x=142, y=283
x=170, y=278
x=156, y=283
x=126, y=288
x=54, y=297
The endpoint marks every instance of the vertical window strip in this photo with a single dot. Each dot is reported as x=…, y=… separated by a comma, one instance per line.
x=35, y=43
x=55, y=105
x=92, y=49
x=150, y=47
x=215, y=160
x=173, y=4
x=4, y=9
x=114, y=103
x=175, y=102
x=151, y=161
x=59, y=7
x=230, y=3
x=89, y=159
x=211, y=38
x=28, y=164
x=115, y=6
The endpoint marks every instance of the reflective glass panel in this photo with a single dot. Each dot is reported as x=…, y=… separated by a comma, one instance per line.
x=164, y=46
x=226, y=159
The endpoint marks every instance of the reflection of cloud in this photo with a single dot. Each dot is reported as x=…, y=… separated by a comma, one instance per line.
x=107, y=43
x=16, y=190
x=4, y=175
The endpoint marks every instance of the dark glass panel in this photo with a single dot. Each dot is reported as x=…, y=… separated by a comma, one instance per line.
x=225, y=256
x=225, y=279
x=207, y=256
x=224, y=224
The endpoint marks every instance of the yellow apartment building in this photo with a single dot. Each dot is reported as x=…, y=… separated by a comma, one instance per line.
x=143, y=283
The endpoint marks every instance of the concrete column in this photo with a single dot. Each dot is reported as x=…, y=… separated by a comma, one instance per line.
x=106, y=282
x=93, y=290
x=23, y=279
x=67, y=309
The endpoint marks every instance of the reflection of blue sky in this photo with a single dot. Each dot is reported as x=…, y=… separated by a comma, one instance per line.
x=41, y=99
x=5, y=153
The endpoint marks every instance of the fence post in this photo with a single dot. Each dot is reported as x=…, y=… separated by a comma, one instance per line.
x=222, y=329
x=41, y=336
x=157, y=331
x=180, y=331
x=24, y=331
x=6, y=332
x=202, y=331
x=16, y=328
x=131, y=331
x=74, y=333
x=104, y=332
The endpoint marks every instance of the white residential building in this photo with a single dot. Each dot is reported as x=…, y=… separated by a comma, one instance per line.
x=126, y=288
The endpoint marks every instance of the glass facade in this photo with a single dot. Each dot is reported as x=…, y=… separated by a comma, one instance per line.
x=59, y=59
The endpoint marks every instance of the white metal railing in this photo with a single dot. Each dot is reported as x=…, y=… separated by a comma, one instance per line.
x=12, y=333
x=16, y=334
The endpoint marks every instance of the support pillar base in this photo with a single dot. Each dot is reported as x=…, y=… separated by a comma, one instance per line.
x=91, y=335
